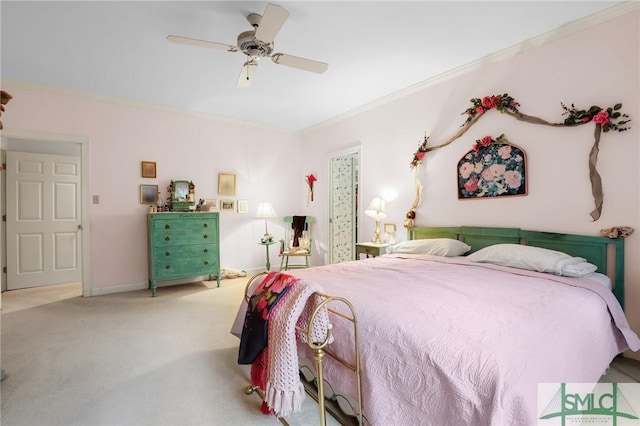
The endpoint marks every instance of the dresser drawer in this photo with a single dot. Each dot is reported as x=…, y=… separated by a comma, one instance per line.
x=186, y=260
x=176, y=225
x=197, y=236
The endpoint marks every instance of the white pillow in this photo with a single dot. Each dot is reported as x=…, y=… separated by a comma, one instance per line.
x=533, y=259
x=434, y=246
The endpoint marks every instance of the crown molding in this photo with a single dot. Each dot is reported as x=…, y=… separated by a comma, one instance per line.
x=531, y=43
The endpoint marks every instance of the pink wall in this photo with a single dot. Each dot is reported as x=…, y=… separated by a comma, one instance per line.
x=597, y=66
x=185, y=146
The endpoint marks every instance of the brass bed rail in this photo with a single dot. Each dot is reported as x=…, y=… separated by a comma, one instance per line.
x=320, y=350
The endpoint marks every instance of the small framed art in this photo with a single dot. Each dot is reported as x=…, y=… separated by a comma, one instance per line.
x=389, y=228
x=148, y=194
x=243, y=206
x=226, y=184
x=148, y=169
x=227, y=205
x=211, y=204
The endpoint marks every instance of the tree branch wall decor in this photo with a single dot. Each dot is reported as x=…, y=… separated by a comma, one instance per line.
x=609, y=119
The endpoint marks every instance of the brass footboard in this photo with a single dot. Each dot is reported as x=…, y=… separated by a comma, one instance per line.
x=320, y=348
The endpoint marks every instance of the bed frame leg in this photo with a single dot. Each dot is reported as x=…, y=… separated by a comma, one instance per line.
x=319, y=355
x=250, y=389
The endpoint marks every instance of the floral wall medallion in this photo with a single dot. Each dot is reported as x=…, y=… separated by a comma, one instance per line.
x=493, y=168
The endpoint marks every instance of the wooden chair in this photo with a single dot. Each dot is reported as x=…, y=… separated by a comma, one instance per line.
x=296, y=242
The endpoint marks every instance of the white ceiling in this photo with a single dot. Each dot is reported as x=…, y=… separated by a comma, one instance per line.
x=117, y=49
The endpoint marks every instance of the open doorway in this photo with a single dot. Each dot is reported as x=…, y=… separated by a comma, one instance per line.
x=48, y=242
x=343, y=207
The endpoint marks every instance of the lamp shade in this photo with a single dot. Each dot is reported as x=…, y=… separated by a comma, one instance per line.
x=376, y=208
x=265, y=211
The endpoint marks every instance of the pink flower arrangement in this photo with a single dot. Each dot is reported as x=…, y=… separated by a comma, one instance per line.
x=418, y=156
x=488, y=141
x=310, y=179
x=501, y=103
x=601, y=116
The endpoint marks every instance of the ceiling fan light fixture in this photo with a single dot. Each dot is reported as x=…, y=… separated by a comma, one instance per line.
x=252, y=47
x=259, y=43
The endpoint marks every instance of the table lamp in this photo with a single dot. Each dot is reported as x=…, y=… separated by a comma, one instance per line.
x=266, y=211
x=376, y=211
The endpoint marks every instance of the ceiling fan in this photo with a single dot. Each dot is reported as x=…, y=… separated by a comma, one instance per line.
x=258, y=44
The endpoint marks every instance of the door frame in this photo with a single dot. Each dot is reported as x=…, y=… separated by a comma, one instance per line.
x=57, y=140
x=357, y=150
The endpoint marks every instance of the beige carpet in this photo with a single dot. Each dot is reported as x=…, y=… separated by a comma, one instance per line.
x=130, y=359
x=127, y=359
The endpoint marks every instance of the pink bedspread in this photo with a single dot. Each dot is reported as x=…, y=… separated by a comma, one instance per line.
x=445, y=341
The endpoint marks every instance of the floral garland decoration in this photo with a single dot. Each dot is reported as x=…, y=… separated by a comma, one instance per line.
x=501, y=103
x=598, y=115
x=5, y=97
x=418, y=156
x=606, y=119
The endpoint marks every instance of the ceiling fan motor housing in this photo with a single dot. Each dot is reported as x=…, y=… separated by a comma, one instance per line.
x=252, y=47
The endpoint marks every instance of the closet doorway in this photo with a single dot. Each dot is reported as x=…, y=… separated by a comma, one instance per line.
x=343, y=204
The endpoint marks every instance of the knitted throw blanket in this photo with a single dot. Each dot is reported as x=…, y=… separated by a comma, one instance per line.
x=262, y=302
x=275, y=371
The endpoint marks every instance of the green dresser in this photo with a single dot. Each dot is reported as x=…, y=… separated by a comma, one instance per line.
x=183, y=245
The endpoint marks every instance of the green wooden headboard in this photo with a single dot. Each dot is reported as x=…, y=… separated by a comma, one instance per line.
x=607, y=254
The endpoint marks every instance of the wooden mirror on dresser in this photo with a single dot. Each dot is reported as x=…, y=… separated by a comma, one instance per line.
x=182, y=195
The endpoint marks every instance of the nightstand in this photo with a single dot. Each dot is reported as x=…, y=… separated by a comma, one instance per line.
x=266, y=246
x=370, y=249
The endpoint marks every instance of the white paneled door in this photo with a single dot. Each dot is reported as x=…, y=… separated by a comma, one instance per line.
x=43, y=220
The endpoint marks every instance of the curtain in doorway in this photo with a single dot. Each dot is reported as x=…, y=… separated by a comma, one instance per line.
x=344, y=203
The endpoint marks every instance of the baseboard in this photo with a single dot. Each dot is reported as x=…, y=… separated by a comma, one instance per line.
x=101, y=291
x=144, y=286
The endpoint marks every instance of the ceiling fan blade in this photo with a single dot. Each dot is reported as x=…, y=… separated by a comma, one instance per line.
x=272, y=20
x=201, y=43
x=300, y=63
x=246, y=75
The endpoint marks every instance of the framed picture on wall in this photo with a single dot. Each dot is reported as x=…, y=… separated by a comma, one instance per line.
x=210, y=204
x=148, y=169
x=243, y=206
x=227, y=205
x=226, y=184
x=389, y=228
x=148, y=194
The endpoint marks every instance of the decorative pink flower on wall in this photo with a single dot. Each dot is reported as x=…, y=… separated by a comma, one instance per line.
x=501, y=103
x=310, y=179
x=418, y=156
x=601, y=116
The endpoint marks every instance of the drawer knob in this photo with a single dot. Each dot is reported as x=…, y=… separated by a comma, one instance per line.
x=167, y=226
x=167, y=238
x=206, y=250
x=206, y=262
x=205, y=236
x=168, y=267
x=205, y=225
x=167, y=254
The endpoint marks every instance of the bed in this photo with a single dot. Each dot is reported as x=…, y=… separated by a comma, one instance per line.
x=446, y=340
